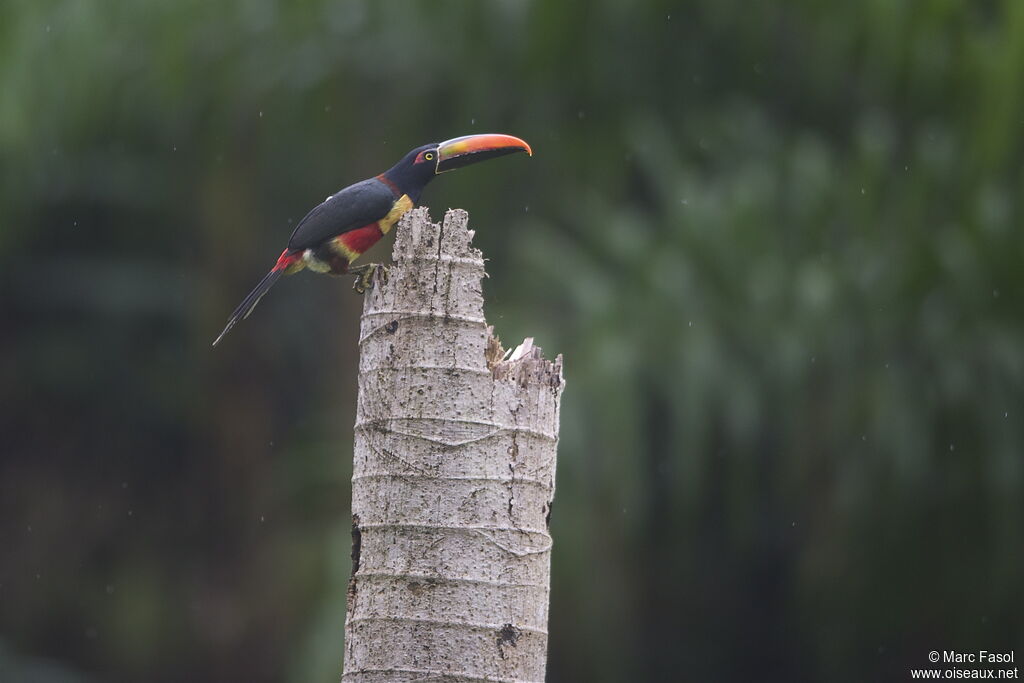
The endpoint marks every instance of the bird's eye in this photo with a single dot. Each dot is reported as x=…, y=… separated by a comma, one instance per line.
x=428, y=156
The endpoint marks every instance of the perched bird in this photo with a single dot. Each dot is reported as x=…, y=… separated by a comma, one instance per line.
x=346, y=224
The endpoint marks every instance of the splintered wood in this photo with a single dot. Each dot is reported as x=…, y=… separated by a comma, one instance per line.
x=453, y=476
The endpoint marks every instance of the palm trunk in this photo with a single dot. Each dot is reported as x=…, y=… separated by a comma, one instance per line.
x=453, y=476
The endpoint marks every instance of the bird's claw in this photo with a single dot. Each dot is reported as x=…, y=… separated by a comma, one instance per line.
x=365, y=276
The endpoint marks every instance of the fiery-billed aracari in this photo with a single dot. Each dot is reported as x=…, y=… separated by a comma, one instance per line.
x=346, y=224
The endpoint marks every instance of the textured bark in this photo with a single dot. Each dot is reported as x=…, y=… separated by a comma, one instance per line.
x=453, y=476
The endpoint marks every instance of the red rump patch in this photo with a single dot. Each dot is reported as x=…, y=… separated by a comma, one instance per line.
x=286, y=259
x=359, y=240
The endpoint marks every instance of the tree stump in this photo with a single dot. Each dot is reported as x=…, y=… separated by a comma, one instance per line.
x=453, y=476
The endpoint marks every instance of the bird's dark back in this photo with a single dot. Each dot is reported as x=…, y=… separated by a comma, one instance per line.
x=353, y=207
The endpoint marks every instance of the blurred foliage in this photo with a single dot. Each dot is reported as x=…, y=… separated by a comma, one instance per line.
x=778, y=244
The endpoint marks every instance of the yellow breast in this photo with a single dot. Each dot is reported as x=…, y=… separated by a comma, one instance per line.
x=397, y=211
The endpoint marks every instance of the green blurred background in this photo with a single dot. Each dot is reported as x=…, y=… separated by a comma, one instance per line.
x=777, y=243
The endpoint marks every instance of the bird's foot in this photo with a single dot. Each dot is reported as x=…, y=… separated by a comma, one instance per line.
x=365, y=275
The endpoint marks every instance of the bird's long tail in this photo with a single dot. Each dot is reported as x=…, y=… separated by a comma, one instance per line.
x=249, y=302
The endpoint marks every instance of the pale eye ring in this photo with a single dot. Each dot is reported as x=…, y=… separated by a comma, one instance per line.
x=428, y=156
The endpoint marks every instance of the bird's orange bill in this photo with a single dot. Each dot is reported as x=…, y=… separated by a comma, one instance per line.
x=469, y=149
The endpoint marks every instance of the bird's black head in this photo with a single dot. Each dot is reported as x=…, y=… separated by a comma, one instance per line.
x=414, y=171
x=420, y=165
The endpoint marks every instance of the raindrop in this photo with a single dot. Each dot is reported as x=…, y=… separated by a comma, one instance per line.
x=669, y=17
x=174, y=148
x=684, y=202
x=261, y=115
x=327, y=108
x=526, y=209
x=47, y=28
x=262, y=519
x=951, y=447
x=472, y=122
x=995, y=293
x=792, y=524
x=689, y=323
x=863, y=437
x=579, y=114
x=29, y=528
x=1006, y=414
x=862, y=191
x=130, y=513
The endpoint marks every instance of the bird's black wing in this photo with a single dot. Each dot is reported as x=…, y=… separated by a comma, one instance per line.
x=355, y=206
